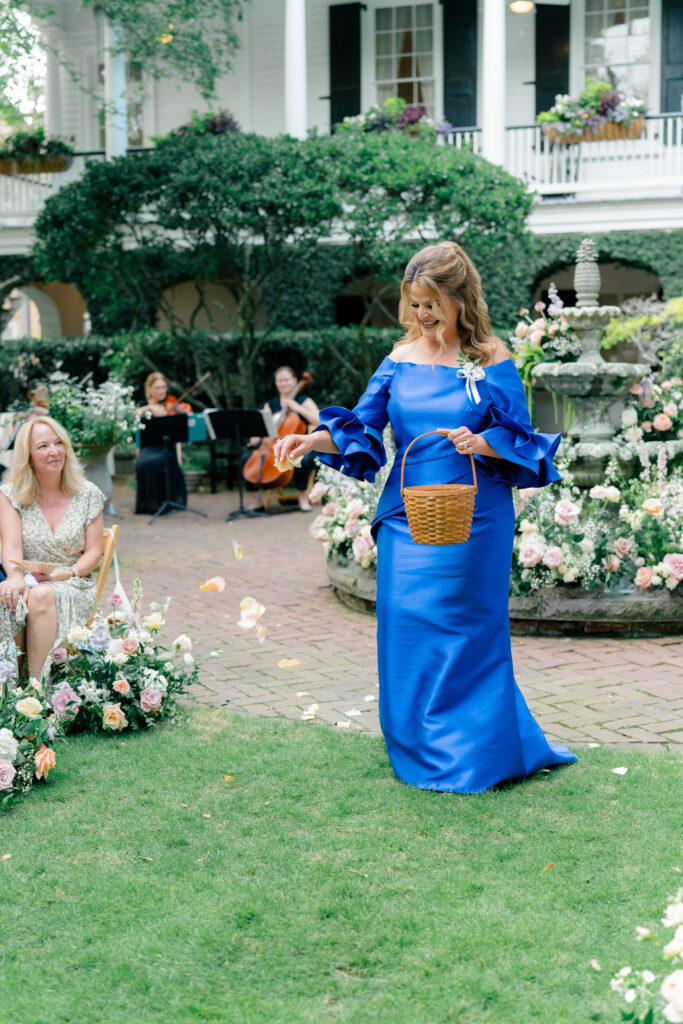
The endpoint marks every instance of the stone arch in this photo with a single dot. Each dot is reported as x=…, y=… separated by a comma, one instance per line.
x=46, y=310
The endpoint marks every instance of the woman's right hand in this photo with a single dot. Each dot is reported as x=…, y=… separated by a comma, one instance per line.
x=11, y=590
x=293, y=445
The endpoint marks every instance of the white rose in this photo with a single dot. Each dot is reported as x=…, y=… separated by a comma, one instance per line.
x=675, y=947
x=673, y=915
x=366, y=531
x=629, y=417
x=338, y=535
x=597, y=492
x=612, y=493
x=672, y=990
x=153, y=622
x=586, y=544
x=182, y=643
x=571, y=575
x=9, y=747
x=78, y=635
x=188, y=659
x=119, y=659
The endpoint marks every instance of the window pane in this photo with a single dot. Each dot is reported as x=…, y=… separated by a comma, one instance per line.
x=424, y=66
x=616, y=5
x=616, y=23
x=640, y=26
x=642, y=4
x=594, y=25
x=383, y=18
x=595, y=5
x=595, y=50
x=639, y=49
x=424, y=41
x=405, y=42
x=404, y=67
x=404, y=17
x=426, y=95
x=383, y=44
x=638, y=81
x=424, y=15
x=385, y=92
x=405, y=91
x=384, y=69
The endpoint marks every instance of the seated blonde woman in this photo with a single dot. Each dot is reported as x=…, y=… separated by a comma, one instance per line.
x=50, y=513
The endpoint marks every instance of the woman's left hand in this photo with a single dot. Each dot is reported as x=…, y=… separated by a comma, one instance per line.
x=466, y=442
x=57, y=575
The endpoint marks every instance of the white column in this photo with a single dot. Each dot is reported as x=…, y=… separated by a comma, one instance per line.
x=53, y=97
x=493, y=82
x=295, y=68
x=115, y=112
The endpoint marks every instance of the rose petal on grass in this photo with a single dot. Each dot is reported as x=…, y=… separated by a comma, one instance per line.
x=595, y=965
x=6, y=856
x=619, y=771
x=343, y=725
x=147, y=858
x=207, y=815
x=228, y=778
x=288, y=663
x=216, y=585
x=238, y=549
x=549, y=865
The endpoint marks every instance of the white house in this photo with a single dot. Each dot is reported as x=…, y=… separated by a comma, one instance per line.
x=305, y=64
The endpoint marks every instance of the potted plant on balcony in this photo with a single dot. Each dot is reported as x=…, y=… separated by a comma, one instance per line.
x=34, y=153
x=599, y=112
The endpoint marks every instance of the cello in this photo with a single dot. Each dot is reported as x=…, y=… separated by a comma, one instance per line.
x=260, y=468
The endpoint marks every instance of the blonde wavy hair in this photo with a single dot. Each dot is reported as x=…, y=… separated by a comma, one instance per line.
x=22, y=476
x=445, y=269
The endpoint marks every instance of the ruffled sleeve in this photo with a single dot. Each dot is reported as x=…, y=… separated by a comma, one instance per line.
x=526, y=457
x=94, y=500
x=357, y=433
x=8, y=491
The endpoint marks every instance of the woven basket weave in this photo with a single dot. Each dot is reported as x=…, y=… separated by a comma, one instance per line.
x=439, y=513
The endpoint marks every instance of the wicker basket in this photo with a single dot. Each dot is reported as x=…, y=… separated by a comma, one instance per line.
x=439, y=513
x=605, y=131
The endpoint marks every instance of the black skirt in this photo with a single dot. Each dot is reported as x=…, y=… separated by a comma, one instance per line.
x=150, y=472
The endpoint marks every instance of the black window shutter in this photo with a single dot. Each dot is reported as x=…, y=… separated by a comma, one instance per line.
x=672, y=56
x=552, y=54
x=344, y=61
x=460, y=62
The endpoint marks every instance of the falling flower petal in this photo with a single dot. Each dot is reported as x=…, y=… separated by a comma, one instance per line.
x=619, y=771
x=369, y=697
x=250, y=612
x=261, y=633
x=343, y=725
x=595, y=965
x=237, y=548
x=352, y=713
x=288, y=663
x=216, y=585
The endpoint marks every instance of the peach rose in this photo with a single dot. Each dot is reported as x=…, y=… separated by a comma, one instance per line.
x=362, y=546
x=45, y=759
x=644, y=577
x=612, y=563
x=671, y=409
x=566, y=512
x=130, y=645
x=122, y=686
x=675, y=564
x=653, y=506
x=536, y=336
x=318, y=491
x=637, y=389
x=150, y=700
x=662, y=421
x=666, y=385
x=329, y=509
x=552, y=557
x=646, y=426
x=113, y=717
x=521, y=329
x=622, y=546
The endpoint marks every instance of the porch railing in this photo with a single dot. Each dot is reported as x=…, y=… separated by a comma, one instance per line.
x=644, y=166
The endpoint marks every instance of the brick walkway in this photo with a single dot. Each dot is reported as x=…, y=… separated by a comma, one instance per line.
x=585, y=690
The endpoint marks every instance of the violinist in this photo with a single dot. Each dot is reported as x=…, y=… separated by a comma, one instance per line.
x=287, y=384
x=150, y=463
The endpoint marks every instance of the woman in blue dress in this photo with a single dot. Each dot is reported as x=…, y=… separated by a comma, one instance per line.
x=452, y=715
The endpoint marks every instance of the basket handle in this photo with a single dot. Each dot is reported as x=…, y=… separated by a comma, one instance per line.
x=444, y=433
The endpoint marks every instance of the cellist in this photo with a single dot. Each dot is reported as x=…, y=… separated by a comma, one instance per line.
x=286, y=382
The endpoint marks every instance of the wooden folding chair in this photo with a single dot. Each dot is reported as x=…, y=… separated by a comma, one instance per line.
x=111, y=536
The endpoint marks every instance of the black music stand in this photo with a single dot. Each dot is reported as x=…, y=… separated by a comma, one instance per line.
x=162, y=432
x=236, y=424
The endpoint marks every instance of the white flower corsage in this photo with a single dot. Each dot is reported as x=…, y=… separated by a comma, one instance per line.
x=472, y=372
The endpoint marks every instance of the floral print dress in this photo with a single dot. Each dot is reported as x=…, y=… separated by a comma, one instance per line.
x=75, y=597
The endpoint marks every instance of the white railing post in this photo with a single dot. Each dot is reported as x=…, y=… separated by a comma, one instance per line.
x=493, y=82
x=295, y=68
x=115, y=106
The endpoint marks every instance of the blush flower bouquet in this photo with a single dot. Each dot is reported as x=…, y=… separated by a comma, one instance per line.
x=542, y=339
x=27, y=731
x=118, y=675
x=654, y=411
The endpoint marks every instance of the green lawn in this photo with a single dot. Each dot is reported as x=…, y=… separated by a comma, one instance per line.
x=144, y=887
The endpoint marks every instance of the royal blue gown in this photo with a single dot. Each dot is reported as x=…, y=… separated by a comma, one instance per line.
x=451, y=712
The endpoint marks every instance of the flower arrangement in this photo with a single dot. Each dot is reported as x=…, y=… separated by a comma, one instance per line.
x=546, y=338
x=94, y=415
x=27, y=730
x=653, y=411
x=637, y=988
x=117, y=675
x=619, y=535
x=33, y=147
x=219, y=123
x=398, y=116
x=598, y=103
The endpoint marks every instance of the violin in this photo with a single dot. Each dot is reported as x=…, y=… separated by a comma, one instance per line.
x=174, y=406
x=260, y=468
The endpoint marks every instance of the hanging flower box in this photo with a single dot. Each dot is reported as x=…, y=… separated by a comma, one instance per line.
x=43, y=165
x=605, y=130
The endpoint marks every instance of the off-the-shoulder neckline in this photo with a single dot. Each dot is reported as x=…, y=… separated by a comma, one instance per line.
x=444, y=366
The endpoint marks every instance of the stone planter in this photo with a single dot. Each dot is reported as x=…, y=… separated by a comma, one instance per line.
x=605, y=131
x=561, y=611
x=44, y=165
x=125, y=464
x=354, y=586
x=96, y=466
x=194, y=478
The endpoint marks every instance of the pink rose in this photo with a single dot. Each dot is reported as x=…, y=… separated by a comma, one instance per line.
x=552, y=558
x=527, y=492
x=644, y=576
x=318, y=491
x=7, y=773
x=648, y=403
x=59, y=655
x=122, y=686
x=536, y=337
x=539, y=325
x=637, y=389
x=646, y=425
x=675, y=563
x=361, y=546
x=666, y=385
x=355, y=508
x=612, y=563
x=671, y=409
x=329, y=509
x=530, y=555
x=150, y=700
x=539, y=307
x=566, y=512
x=622, y=546
x=521, y=329
x=352, y=528
x=115, y=600
x=321, y=535
x=662, y=421
x=523, y=311
x=65, y=702
x=130, y=645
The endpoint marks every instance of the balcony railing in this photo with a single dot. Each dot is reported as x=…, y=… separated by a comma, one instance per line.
x=22, y=196
x=645, y=166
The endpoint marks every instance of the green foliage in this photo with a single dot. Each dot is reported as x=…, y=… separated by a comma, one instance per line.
x=33, y=146
x=19, y=41
x=597, y=102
